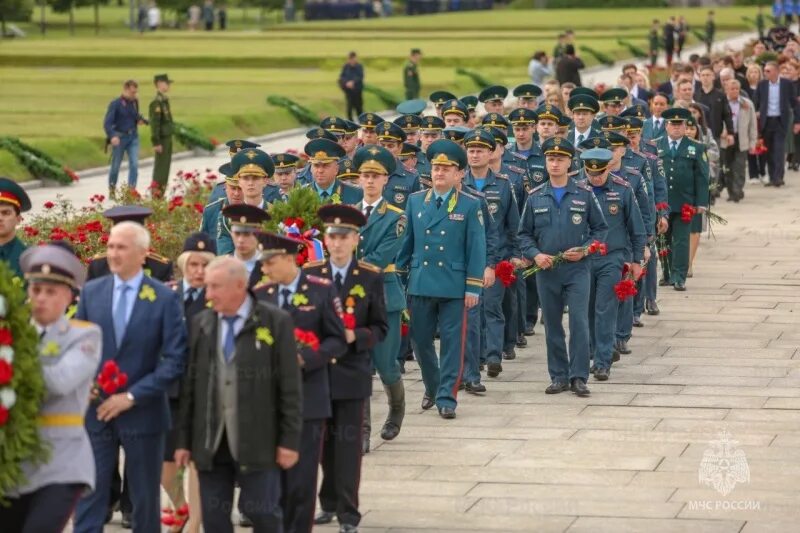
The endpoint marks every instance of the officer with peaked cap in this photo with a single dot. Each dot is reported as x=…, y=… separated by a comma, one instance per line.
x=13, y=201
x=454, y=113
x=471, y=103
x=323, y=156
x=492, y=98
x=69, y=352
x=246, y=221
x=527, y=95
x=439, y=98
x=285, y=173
x=561, y=216
x=584, y=108
x=613, y=100
x=402, y=181
x=237, y=145
x=410, y=125
x=368, y=122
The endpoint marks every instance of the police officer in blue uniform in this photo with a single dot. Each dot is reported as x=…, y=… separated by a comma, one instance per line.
x=323, y=156
x=315, y=306
x=402, y=182
x=445, y=253
x=625, y=240
x=502, y=202
x=561, y=216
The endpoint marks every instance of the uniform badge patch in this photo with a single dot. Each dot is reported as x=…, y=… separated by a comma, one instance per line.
x=538, y=176
x=613, y=209
x=399, y=197
x=400, y=227
x=577, y=219
x=493, y=208
x=480, y=217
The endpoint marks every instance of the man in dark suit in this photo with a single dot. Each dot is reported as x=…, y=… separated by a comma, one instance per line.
x=360, y=287
x=669, y=39
x=143, y=331
x=351, y=81
x=241, y=411
x=719, y=113
x=569, y=66
x=774, y=98
x=315, y=307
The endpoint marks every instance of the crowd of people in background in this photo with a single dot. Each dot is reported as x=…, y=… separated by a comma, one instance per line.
x=197, y=17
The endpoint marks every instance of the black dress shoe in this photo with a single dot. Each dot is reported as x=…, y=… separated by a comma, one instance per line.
x=447, y=412
x=556, y=387
x=663, y=282
x=510, y=355
x=614, y=356
x=521, y=341
x=622, y=347
x=680, y=286
x=637, y=322
x=476, y=387
x=651, y=307
x=601, y=374
x=324, y=517
x=579, y=387
x=427, y=402
x=493, y=369
x=529, y=331
x=347, y=528
x=126, y=521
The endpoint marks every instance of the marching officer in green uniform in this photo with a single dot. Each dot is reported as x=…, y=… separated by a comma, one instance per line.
x=347, y=172
x=410, y=125
x=502, y=202
x=232, y=194
x=686, y=170
x=439, y=98
x=379, y=244
x=613, y=101
x=562, y=216
x=471, y=103
x=527, y=95
x=454, y=113
x=430, y=130
x=156, y=266
x=411, y=74
x=245, y=222
x=625, y=240
x=234, y=146
x=493, y=98
x=445, y=253
x=304, y=176
x=161, y=126
x=360, y=286
x=285, y=176
x=654, y=41
x=402, y=182
x=323, y=157
x=13, y=201
x=711, y=29
x=584, y=108
x=368, y=123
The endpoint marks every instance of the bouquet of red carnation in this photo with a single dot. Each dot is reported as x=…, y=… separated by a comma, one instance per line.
x=504, y=271
x=111, y=378
x=175, y=518
x=306, y=339
x=626, y=288
x=662, y=206
x=687, y=213
x=405, y=321
x=596, y=247
x=349, y=320
x=761, y=147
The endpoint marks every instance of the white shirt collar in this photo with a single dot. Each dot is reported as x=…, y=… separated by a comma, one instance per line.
x=291, y=286
x=341, y=270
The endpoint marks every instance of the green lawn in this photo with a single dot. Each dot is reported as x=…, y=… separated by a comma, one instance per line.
x=55, y=89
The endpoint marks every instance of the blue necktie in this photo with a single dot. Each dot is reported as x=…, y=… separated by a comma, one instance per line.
x=674, y=149
x=120, y=313
x=286, y=293
x=229, y=345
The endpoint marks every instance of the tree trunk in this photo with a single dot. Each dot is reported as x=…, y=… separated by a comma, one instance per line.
x=2, y=26
x=42, y=22
x=96, y=17
x=71, y=19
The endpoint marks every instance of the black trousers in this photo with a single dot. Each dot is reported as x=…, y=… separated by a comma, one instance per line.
x=341, y=461
x=757, y=165
x=775, y=140
x=531, y=301
x=355, y=103
x=734, y=162
x=260, y=494
x=300, y=481
x=43, y=511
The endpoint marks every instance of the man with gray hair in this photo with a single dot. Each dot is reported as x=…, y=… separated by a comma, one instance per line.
x=241, y=410
x=143, y=333
x=745, y=137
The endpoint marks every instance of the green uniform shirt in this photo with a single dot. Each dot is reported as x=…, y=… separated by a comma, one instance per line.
x=10, y=253
x=411, y=79
x=160, y=120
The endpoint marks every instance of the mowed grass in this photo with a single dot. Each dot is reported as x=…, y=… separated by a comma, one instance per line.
x=55, y=89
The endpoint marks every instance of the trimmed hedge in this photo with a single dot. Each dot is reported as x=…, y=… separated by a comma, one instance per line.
x=582, y=4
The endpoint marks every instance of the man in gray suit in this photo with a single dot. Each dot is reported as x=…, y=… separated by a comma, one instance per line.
x=745, y=137
x=69, y=352
x=241, y=403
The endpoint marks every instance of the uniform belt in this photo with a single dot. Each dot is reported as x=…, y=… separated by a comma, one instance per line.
x=390, y=268
x=61, y=420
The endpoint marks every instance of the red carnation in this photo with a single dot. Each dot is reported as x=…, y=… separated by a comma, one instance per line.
x=403, y=329
x=6, y=338
x=49, y=205
x=687, y=213
x=504, y=271
x=199, y=208
x=3, y=415
x=349, y=320
x=109, y=369
x=306, y=339
x=6, y=372
x=663, y=253
x=109, y=387
x=662, y=206
x=122, y=380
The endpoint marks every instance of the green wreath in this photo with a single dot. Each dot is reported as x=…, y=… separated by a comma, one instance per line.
x=21, y=385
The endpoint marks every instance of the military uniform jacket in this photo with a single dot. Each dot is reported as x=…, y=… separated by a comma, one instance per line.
x=550, y=228
x=10, y=252
x=423, y=169
x=401, y=184
x=686, y=173
x=650, y=131
x=268, y=396
x=639, y=185
x=161, y=124
x=518, y=176
x=444, y=248
x=594, y=131
x=411, y=77
x=342, y=193
x=69, y=353
x=315, y=307
x=156, y=266
x=502, y=203
x=222, y=234
x=655, y=180
x=534, y=162
x=362, y=295
x=379, y=245
x=625, y=227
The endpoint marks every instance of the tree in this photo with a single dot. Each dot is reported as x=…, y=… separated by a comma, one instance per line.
x=14, y=11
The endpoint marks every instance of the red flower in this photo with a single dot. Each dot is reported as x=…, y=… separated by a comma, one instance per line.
x=71, y=173
x=104, y=239
x=602, y=248
x=122, y=380
x=109, y=387
x=687, y=213
x=349, y=320
x=3, y=415
x=662, y=206
x=30, y=231
x=199, y=208
x=6, y=338
x=663, y=253
x=49, y=205
x=110, y=368
x=504, y=271
x=625, y=289
x=294, y=221
x=306, y=339
x=403, y=329
x=597, y=247
x=183, y=510
x=6, y=372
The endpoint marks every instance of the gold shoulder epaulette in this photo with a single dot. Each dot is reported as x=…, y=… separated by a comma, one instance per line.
x=394, y=208
x=370, y=267
x=157, y=257
x=75, y=323
x=312, y=264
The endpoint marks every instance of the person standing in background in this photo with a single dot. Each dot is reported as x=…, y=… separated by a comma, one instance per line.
x=222, y=15
x=411, y=74
x=153, y=17
x=711, y=29
x=681, y=30
x=194, y=17
x=669, y=39
x=538, y=68
x=208, y=15
x=120, y=125
x=351, y=81
x=161, y=126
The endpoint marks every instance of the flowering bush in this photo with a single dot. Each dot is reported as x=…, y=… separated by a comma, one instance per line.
x=175, y=215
